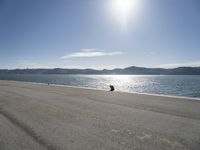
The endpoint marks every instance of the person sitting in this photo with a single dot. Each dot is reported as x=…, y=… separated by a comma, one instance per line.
x=112, y=88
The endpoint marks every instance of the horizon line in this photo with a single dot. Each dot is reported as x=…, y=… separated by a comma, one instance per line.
x=103, y=68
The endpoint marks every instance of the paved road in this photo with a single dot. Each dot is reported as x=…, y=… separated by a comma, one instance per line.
x=34, y=117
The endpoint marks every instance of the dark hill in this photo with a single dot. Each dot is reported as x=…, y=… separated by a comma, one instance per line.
x=129, y=71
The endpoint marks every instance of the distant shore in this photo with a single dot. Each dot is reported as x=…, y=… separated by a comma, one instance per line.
x=38, y=116
x=132, y=70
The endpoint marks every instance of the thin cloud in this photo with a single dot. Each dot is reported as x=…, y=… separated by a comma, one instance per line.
x=150, y=53
x=91, y=53
x=185, y=64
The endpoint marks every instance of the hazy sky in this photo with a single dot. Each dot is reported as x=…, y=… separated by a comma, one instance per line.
x=99, y=33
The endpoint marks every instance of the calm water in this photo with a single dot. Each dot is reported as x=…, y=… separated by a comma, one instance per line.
x=185, y=85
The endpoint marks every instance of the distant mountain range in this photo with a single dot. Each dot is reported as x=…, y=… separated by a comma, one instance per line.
x=126, y=71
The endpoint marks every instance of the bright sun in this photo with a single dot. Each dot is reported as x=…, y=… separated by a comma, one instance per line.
x=123, y=9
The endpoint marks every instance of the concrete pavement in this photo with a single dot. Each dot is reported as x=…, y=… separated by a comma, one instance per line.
x=34, y=116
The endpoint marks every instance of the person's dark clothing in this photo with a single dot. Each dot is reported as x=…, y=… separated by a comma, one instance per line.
x=112, y=88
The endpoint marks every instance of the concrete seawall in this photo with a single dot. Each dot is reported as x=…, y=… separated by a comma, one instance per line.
x=34, y=116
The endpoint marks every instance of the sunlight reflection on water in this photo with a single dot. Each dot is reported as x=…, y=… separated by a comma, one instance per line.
x=180, y=85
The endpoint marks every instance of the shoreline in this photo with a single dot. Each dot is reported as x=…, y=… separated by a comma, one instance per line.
x=78, y=87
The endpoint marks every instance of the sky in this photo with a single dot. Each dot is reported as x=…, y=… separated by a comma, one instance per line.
x=99, y=33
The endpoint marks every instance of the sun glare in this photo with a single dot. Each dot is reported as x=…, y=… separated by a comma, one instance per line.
x=122, y=10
